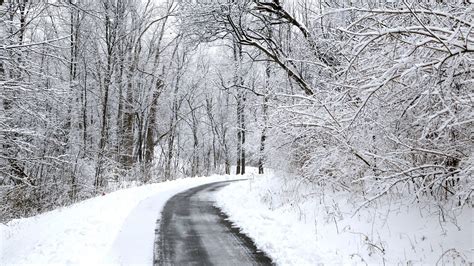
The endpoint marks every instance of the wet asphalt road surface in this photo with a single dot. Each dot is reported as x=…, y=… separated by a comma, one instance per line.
x=192, y=231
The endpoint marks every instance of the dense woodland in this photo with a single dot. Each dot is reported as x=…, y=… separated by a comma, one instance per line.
x=370, y=96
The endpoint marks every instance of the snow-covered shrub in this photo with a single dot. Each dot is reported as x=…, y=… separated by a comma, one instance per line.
x=395, y=114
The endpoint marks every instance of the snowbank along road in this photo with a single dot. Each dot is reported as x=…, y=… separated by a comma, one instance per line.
x=193, y=231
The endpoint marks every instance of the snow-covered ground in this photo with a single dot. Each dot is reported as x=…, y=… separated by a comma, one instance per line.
x=296, y=224
x=292, y=222
x=117, y=228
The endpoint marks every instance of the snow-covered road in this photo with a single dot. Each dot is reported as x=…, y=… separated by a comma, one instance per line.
x=193, y=231
x=115, y=229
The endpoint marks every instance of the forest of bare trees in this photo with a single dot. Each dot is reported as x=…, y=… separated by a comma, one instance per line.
x=372, y=97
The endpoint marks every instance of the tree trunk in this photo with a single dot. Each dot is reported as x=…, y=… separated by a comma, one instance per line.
x=110, y=37
x=263, y=136
x=239, y=81
x=150, y=136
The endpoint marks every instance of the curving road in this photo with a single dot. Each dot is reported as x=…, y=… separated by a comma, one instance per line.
x=194, y=232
